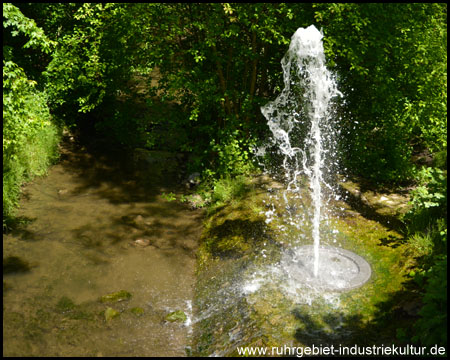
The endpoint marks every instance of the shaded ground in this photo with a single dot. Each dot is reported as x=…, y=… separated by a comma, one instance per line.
x=383, y=206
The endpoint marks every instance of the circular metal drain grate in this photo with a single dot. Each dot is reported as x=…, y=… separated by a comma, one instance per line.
x=339, y=269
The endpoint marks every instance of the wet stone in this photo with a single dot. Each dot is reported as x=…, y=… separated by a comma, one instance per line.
x=141, y=242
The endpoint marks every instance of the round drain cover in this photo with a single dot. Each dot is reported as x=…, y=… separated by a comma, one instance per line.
x=339, y=269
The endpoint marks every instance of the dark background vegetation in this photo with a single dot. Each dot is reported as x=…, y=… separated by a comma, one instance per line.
x=93, y=68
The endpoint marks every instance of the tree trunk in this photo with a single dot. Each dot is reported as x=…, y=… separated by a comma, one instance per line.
x=223, y=83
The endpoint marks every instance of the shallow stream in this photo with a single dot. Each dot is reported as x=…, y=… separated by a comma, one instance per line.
x=94, y=226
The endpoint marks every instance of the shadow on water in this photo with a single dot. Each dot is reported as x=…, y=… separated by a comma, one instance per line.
x=110, y=173
x=14, y=264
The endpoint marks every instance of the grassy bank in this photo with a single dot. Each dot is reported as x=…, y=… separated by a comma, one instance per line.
x=30, y=137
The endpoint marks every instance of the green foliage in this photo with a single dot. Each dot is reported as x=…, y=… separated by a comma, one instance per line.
x=422, y=244
x=29, y=137
x=220, y=62
x=440, y=159
x=392, y=65
x=88, y=63
x=217, y=61
x=23, y=110
x=428, y=200
x=432, y=326
x=169, y=197
x=37, y=39
x=232, y=155
x=427, y=223
x=215, y=193
x=227, y=189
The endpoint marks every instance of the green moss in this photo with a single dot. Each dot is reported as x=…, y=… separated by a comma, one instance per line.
x=116, y=296
x=234, y=229
x=138, y=311
x=178, y=315
x=110, y=314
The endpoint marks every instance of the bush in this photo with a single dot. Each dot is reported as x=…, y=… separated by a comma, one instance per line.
x=427, y=224
x=432, y=326
x=428, y=200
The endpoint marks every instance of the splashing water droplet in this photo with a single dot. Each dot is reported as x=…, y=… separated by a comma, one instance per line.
x=300, y=119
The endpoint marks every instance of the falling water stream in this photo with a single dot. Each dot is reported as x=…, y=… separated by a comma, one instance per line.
x=309, y=89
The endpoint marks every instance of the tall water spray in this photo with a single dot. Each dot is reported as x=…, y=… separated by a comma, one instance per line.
x=299, y=119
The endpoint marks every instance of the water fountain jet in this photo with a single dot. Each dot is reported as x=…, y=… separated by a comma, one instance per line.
x=300, y=120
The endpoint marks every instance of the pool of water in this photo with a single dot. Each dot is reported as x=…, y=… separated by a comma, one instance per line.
x=96, y=225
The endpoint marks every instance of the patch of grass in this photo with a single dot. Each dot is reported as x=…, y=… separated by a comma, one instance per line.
x=223, y=191
x=32, y=158
x=228, y=189
x=421, y=243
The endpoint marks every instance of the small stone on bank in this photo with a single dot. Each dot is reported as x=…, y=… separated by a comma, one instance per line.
x=142, y=242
